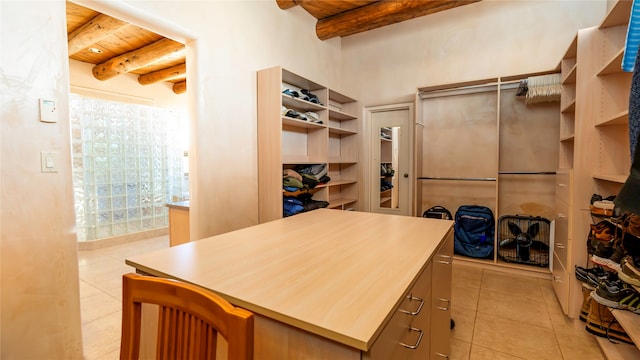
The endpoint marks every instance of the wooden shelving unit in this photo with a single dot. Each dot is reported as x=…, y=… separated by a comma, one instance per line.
x=596, y=156
x=286, y=142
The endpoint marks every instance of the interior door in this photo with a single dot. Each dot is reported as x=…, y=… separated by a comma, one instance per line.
x=390, y=177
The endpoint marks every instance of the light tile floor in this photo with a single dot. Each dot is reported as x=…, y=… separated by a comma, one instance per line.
x=498, y=316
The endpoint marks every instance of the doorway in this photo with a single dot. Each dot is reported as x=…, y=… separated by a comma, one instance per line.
x=390, y=158
x=130, y=194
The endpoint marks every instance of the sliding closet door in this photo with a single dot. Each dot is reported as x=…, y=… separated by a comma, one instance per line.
x=460, y=148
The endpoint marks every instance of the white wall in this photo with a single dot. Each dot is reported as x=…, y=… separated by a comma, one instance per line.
x=40, y=301
x=486, y=39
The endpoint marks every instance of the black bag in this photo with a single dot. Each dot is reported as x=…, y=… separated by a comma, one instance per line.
x=474, y=231
x=437, y=212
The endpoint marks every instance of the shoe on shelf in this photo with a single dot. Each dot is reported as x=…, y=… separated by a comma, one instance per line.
x=629, y=271
x=613, y=294
x=602, y=323
x=586, y=302
x=612, y=261
x=591, y=276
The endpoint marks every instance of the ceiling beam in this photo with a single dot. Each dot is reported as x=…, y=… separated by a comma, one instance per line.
x=92, y=32
x=137, y=58
x=174, y=72
x=380, y=14
x=288, y=4
x=180, y=87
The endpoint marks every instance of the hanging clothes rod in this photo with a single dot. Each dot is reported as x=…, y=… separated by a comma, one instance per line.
x=456, y=178
x=527, y=172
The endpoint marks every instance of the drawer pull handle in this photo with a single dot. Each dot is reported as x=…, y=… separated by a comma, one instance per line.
x=442, y=355
x=562, y=216
x=414, y=346
x=443, y=308
x=562, y=185
x=557, y=279
x=560, y=246
x=413, y=313
x=448, y=261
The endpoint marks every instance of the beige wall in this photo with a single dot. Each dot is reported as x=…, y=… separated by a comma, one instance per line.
x=40, y=299
x=482, y=40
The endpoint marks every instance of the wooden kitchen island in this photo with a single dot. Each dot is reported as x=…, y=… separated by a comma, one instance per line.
x=328, y=284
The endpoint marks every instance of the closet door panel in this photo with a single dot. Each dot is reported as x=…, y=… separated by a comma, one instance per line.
x=528, y=134
x=460, y=138
x=527, y=195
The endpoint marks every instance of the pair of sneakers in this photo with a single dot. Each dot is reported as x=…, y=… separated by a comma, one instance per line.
x=303, y=94
x=630, y=270
x=617, y=295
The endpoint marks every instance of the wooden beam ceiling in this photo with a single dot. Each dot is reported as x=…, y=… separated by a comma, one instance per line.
x=348, y=17
x=116, y=47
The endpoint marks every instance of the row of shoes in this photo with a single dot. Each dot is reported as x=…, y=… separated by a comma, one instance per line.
x=599, y=320
x=386, y=170
x=303, y=94
x=602, y=207
x=385, y=185
x=306, y=116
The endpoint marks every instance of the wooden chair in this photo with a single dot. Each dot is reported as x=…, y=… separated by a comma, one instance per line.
x=189, y=320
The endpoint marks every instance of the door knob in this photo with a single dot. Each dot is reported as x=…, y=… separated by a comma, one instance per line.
x=406, y=176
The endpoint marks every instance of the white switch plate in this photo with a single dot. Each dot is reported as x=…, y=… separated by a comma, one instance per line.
x=48, y=111
x=48, y=162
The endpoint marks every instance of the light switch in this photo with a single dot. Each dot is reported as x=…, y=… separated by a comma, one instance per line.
x=48, y=111
x=48, y=162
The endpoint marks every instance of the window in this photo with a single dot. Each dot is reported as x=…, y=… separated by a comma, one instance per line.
x=128, y=162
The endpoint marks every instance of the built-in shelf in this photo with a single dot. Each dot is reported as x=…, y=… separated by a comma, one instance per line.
x=617, y=15
x=301, y=123
x=614, y=65
x=567, y=138
x=571, y=76
x=611, y=178
x=621, y=118
x=571, y=107
x=617, y=351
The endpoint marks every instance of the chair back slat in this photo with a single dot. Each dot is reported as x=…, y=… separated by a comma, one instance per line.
x=189, y=320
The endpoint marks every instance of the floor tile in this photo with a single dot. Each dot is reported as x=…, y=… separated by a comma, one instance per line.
x=464, y=297
x=97, y=306
x=459, y=350
x=514, y=307
x=512, y=284
x=465, y=320
x=515, y=338
x=101, y=336
x=466, y=275
x=483, y=353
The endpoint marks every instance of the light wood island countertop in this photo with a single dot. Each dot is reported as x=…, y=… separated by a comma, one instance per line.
x=336, y=274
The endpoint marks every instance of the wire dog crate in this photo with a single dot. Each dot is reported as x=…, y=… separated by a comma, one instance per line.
x=524, y=239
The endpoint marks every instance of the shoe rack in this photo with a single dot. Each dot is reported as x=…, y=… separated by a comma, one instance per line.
x=286, y=142
x=594, y=155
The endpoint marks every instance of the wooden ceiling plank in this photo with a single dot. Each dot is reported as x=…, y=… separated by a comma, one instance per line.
x=380, y=14
x=163, y=75
x=137, y=58
x=180, y=87
x=93, y=31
